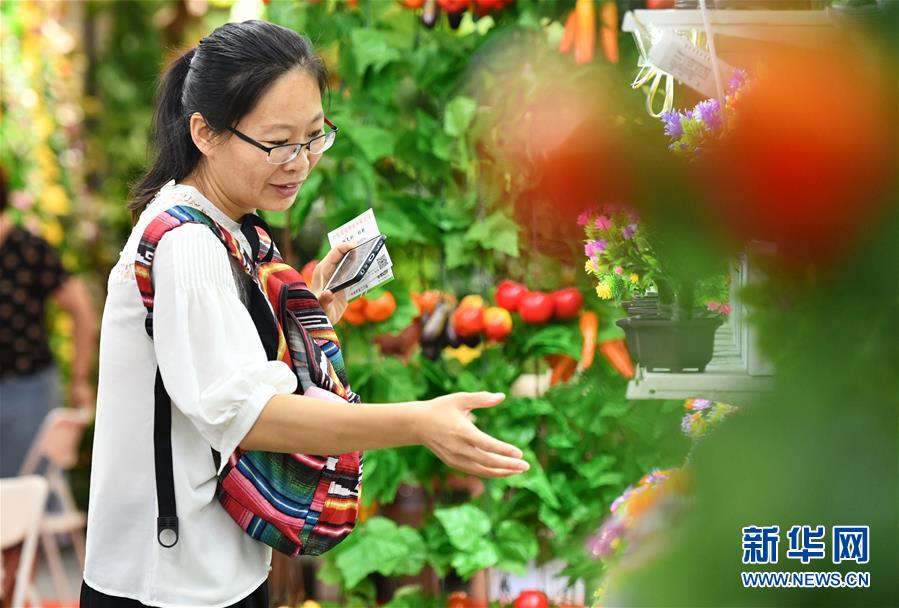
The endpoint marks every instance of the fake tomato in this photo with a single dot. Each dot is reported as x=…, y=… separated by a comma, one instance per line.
x=567, y=303
x=468, y=321
x=458, y=599
x=536, y=307
x=497, y=323
x=472, y=301
x=508, y=295
x=531, y=598
x=412, y=3
x=381, y=308
x=307, y=271
x=426, y=301
x=355, y=311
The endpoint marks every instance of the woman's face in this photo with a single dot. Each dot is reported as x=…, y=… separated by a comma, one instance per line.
x=238, y=174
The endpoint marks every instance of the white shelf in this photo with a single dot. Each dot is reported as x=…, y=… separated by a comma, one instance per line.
x=724, y=379
x=789, y=27
x=737, y=372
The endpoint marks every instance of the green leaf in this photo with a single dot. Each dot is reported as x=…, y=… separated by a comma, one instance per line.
x=459, y=113
x=384, y=473
x=465, y=525
x=495, y=233
x=481, y=555
x=455, y=252
x=375, y=142
x=381, y=547
x=517, y=545
x=372, y=47
x=535, y=480
x=275, y=219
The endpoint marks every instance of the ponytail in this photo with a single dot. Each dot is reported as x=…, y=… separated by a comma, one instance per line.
x=175, y=153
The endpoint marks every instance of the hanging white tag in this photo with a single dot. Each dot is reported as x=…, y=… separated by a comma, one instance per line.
x=688, y=64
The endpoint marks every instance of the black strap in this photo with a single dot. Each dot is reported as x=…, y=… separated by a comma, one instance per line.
x=167, y=521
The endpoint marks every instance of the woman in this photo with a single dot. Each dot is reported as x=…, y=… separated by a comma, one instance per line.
x=224, y=108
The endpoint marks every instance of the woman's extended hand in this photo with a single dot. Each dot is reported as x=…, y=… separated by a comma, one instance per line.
x=333, y=304
x=453, y=437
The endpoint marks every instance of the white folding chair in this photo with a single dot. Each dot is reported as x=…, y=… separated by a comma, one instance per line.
x=57, y=443
x=22, y=503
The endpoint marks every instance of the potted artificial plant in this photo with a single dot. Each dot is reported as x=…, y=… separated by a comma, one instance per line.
x=672, y=314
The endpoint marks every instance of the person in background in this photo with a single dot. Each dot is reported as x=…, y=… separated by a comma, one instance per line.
x=31, y=273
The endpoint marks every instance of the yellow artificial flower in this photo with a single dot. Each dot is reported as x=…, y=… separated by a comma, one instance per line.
x=603, y=291
x=53, y=233
x=590, y=266
x=635, y=278
x=54, y=200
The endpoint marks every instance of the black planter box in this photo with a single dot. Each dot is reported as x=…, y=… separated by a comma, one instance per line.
x=673, y=345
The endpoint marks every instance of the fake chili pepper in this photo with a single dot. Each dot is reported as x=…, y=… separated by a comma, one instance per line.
x=563, y=370
x=585, y=40
x=616, y=353
x=589, y=329
x=568, y=35
x=608, y=31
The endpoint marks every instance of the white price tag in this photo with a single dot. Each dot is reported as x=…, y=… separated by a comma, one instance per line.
x=688, y=64
x=360, y=229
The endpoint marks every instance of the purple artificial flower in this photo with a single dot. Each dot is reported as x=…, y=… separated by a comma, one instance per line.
x=600, y=545
x=686, y=424
x=582, y=219
x=629, y=231
x=600, y=245
x=624, y=497
x=603, y=222
x=737, y=79
x=699, y=405
x=673, y=127
x=709, y=112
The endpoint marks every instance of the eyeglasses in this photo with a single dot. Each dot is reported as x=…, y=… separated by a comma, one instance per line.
x=279, y=155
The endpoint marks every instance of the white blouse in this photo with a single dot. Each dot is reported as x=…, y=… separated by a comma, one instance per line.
x=217, y=374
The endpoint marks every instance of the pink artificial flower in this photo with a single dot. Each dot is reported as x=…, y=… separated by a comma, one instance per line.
x=583, y=218
x=618, y=269
x=603, y=222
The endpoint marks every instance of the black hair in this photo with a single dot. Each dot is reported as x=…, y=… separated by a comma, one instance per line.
x=222, y=79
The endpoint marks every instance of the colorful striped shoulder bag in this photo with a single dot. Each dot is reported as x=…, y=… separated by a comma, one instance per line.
x=296, y=503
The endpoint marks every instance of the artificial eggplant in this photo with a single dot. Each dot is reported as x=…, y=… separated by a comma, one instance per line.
x=432, y=328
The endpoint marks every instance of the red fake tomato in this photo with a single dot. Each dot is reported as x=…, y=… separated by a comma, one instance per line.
x=536, y=307
x=531, y=598
x=412, y=3
x=508, y=295
x=453, y=6
x=355, y=311
x=307, y=271
x=458, y=599
x=380, y=309
x=655, y=4
x=468, y=321
x=497, y=323
x=567, y=303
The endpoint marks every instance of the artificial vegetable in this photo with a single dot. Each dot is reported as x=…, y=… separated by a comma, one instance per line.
x=608, y=31
x=589, y=329
x=585, y=40
x=536, y=307
x=616, y=353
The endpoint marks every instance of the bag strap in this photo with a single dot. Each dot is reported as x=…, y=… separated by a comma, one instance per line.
x=167, y=517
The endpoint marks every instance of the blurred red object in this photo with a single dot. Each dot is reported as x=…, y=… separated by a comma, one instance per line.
x=809, y=160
